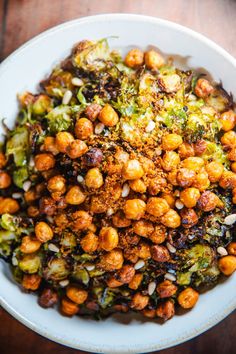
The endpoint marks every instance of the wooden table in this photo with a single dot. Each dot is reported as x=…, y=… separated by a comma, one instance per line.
x=20, y=20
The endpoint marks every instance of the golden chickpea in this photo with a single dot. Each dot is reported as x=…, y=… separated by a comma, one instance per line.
x=29, y=245
x=172, y=177
x=232, y=154
x=44, y=162
x=49, y=145
x=79, y=296
x=202, y=181
x=166, y=289
x=231, y=248
x=200, y=147
x=159, y=234
x=43, y=232
x=126, y=274
x=188, y=298
x=82, y=220
x=157, y=206
x=171, y=141
x=228, y=120
x=113, y=283
x=229, y=138
x=32, y=211
x=5, y=180
x=134, y=209
x=143, y=250
x=227, y=264
x=83, y=128
x=9, y=206
x=149, y=313
x=153, y=60
x=112, y=260
x=160, y=253
x=214, y=170
x=185, y=177
x=143, y=228
x=170, y=160
x=134, y=58
x=75, y=196
x=94, y=178
x=189, y=197
x=63, y=140
x=119, y=220
x=166, y=310
x=233, y=167
x=234, y=196
x=108, y=116
x=189, y=218
x=171, y=219
x=132, y=170
x=228, y=180
x=169, y=198
x=76, y=149
x=136, y=281
x=193, y=163
x=203, y=88
x=89, y=242
x=108, y=238
x=57, y=184
x=208, y=201
x=61, y=221
x=3, y=160
x=68, y=307
x=31, y=281
x=92, y=111
x=139, y=301
x=138, y=186
x=156, y=185
x=186, y=150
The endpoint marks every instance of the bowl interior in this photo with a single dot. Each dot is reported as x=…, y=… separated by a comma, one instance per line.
x=22, y=71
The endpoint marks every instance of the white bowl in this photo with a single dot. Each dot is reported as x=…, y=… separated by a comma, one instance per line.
x=22, y=71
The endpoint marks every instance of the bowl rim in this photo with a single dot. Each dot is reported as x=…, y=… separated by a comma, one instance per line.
x=84, y=345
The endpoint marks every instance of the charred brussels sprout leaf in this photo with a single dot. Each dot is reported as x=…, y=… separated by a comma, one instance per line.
x=81, y=275
x=18, y=145
x=104, y=297
x=19, y=176
x=30, y=263
x=57, y=269
x=59, y=119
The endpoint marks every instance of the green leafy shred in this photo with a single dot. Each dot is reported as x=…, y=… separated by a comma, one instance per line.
x=18, y=145
x=59, y=119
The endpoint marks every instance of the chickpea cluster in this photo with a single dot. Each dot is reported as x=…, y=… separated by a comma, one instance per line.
x=107, y=217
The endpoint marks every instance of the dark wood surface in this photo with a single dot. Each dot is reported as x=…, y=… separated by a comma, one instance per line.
x=20, y=20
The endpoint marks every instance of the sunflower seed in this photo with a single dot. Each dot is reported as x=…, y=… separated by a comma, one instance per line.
x=16, y=195
x=140, y=264
x=14, y=261
x=125, y=190
x=151, y=125
x=90, y=267
x=26, y=186
x=179, y=205
x=77, y=82
x=171, y=248
x=67, y=97
x=151, y=288
x=222, y=251
x=110, y=212
x=53, y=248
x=170, y=277
x=230, y=219
x=99, y=128
x=64, y=283
x=80, y=179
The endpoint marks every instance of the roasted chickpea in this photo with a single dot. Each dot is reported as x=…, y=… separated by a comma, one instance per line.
x=157, y=185
x=169, y=198
x=231, y=248
x=44, y=162
x=200, y=147
x=169, y=83
x=143, y=228
x=75, y=196
x=159, y=234
x=170, y=160
x=108, y=116
x=185, y=177
x=82, y=220
x=234, y=196
x=186, y=150
x=227, y=264
x=166, y=310
x=3, y=160
x=228, y=180
x=31, y=281
x=134, y=58
x=171, y=141
x=76, y=149
x=233, y=167
x=189, y=217
x=89, y=242
x=143, y=250
x=132, y=170
x=57, y=184
x=112, y=260
x=160, y=253
x=32, y=211
x=157, y=206
x=208, y=201
x=49, y=145
x=149, y=313
x=108, y=238
x=228, y=120
x=83, y=128
x=92, y=111
x=189, y=197
x=188, y=298
x=136, y=281
x=93, y=157
x=171, y=219
x=113, y=282
x=202, y=181
x=229, y=138
x=232, y=154
x=29, y=245
x=48, y=298
x=119, y=220
x=193, y=163
x=63, y=140
x=139, y=301
x=9, y=206
x=134, y=209
x=94, y=178
x=126, y=274
x=138, y=186
x=68, y=307
x=214, y=170
x=43, y=232
x=5, y=180
x=172, y=177
x=203, y=88
x=153, y=60
x=166, y=289
x=79, y=296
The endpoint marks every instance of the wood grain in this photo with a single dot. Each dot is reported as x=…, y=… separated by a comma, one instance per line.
x=20, y=20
